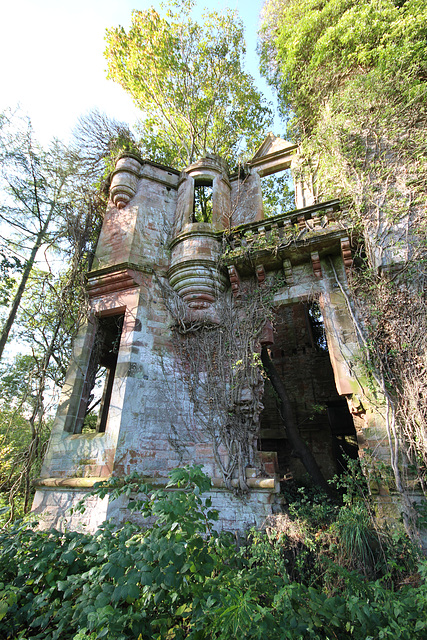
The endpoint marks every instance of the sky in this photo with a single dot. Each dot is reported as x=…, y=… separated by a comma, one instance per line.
x=53, y=65
x=54, y=69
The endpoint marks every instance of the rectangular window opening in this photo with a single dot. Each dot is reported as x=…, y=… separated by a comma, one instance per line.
x=278, y=194
x=202, y=208
x=98, y=385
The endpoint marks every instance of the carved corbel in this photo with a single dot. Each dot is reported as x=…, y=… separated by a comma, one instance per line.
x=301, y=222
x=260, y=274
x=234, y=281
x=267, y=334
x=346, y=254
x=315, y=261
x=288, y=273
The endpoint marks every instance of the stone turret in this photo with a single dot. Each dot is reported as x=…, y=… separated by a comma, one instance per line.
x=203, y=209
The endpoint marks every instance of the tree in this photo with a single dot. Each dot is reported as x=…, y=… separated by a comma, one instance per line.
x=97, y=140
x=351, y=77
x=51, y=197
x=188, y=80
x=311, y=51
x=35, y=181
x=277, y=196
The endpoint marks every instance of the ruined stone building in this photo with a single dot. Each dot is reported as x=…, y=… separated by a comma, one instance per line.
x=173, y=248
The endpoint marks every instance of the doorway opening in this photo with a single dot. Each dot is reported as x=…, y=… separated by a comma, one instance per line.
x=300, y=355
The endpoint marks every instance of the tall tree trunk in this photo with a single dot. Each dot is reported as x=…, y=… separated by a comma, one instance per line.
x=25, y=275
x=299, y=447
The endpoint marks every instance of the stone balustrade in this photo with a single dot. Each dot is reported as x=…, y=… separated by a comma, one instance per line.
x=314, y=228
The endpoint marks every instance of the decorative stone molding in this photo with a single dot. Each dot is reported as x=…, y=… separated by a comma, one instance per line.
x=110, y=283
x=197, y=282
x=105, y=281
x=315, y=260
x=67, y=483
x=124, y=180
x=266, y=484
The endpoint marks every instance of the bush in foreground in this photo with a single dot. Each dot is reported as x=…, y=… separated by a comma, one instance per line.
x=179, y=579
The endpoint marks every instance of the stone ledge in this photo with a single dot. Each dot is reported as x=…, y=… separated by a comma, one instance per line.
x=264, y=484
x=68, y=483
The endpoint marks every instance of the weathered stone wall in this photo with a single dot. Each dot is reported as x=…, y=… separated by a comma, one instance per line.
x=246, y=199
x=148, y=243
x=151, y=425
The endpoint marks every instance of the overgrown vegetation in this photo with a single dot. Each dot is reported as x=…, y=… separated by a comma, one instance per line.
x=322, y=571
x=353, y=76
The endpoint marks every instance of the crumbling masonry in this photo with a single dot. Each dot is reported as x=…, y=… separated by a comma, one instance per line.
x=188, y=241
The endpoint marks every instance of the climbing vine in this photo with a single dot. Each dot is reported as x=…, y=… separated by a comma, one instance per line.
x=218, y=361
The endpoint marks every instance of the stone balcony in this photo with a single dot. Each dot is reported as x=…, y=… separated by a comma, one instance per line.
x=295, y=236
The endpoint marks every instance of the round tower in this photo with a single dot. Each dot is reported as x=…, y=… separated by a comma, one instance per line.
x=203, y=211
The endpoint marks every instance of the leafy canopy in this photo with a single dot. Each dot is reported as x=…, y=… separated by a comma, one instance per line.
x=311, y=48
x=188, y=80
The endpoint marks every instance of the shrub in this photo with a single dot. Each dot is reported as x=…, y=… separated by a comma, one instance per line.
x=178, y=579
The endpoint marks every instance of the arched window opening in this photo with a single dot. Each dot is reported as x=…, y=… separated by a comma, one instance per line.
x=202, y=206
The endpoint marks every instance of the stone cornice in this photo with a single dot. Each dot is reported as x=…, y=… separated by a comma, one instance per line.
x=270, y=485
x=115, y=278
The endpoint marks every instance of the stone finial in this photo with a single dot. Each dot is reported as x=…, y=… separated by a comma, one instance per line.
x=124, y=180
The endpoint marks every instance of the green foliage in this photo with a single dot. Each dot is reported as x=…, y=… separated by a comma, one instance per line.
x=177, y=579
x=188, y=80
x=277, y=196
x=310, y=49
x=9, y=266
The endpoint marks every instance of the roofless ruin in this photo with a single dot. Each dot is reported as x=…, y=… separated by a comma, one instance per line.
x=191, y=288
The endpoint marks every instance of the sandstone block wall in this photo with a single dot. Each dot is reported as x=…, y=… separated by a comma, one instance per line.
x=149, y=241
